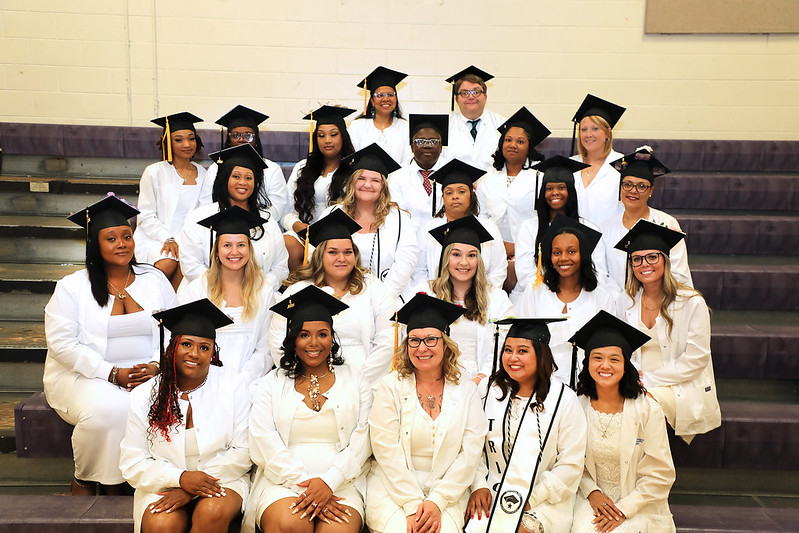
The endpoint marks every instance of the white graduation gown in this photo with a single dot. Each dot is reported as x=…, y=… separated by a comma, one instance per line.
x=601, y=198
x=395, y=139
x=408, y=191
x=508, y=205
x=476, y=152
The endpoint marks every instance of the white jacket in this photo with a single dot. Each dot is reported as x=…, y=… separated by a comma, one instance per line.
x=476, y=152
x=601, y=198
x=77, y=329
x=395, y=139
x=687, y=364
x=408, y=191
x=508, y=205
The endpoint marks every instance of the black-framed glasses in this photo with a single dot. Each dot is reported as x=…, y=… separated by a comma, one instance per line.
x=471, y=92
x=640, y=187
x=247, y=137
x=432, y=143
x=384, y=95
x=652, y=259
x=430, y=342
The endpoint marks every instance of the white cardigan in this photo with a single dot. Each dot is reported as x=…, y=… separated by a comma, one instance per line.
x=508, y=205
x=647, y=470
x=77, y=329
x=270, y=426
x=687, y=364
x=457, y=447
x=601, y=198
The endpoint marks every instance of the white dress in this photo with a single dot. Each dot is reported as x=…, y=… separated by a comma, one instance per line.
x=508, y=201
x=321, y=186
x=160, y=192
x=395, y=139
x=600, y=199
x=195, y=247
x=365, y=330
x=476, y=152
x=274, y=188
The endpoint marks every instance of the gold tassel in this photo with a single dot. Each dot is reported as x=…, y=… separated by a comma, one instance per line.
x=307, y=243
x=310, y=135
x=168, y=141
x=365, y=97
x=396, y=342
x=539, y=276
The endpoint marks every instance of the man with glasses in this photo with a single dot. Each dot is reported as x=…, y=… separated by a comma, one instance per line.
x=473, y=129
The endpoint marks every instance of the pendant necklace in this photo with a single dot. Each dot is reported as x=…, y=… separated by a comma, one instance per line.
x=121, y=294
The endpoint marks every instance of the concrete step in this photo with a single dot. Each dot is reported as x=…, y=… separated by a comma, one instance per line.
x=748, y=286
x=744, y=233
x=22, y=341
x=60, y=195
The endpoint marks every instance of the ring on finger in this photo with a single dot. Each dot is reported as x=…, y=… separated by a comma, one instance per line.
x=314, y=504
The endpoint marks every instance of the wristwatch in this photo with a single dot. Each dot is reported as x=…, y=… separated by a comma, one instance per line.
x=531, y=523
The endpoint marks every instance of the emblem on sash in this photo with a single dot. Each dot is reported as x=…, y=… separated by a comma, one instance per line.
x=510, y=501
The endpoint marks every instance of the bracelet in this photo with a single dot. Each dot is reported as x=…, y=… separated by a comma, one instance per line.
x=169, y=240
x=114, y=374
x=156, y=364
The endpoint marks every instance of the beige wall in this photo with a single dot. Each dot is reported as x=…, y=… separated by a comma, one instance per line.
x=123, y=62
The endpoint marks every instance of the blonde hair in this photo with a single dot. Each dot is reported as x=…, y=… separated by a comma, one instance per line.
x=670, y=285
x=315, y=270
x=384, y=203
x=602, y=123
x=476, y=300
x=449, y=365
x=250, y=285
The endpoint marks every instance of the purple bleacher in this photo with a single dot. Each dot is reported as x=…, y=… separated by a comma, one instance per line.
x=40, y=432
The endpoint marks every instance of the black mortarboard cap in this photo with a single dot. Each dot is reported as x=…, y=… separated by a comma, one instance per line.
x=242, y=116
x=590, y=235
x=178, y=121
x=335, y=225
x=559, y=169
x=107, y=213
x=593, y=105
x=466, y=230
x=534, y=329
x=456, y=171
x=424, y=311
x=243, y=155
x=200, y=318
x=380, y=77
x=525, y=120
x=233, y=220
x=311, y=304
x=640, y=164
x=328, y=114
x=471, y=69
x=440, y=123
x=374, y=158
x=604, y=330
x=647, y=235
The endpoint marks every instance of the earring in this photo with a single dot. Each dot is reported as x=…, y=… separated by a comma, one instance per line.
x=394, y=113
x=373, y=112
x=330, y=362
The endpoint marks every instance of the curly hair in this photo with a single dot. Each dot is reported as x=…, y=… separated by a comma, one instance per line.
x=250, y=285
x=588, y=279
x=315, y=270
x=258, y=201
x=605, y=126
x=314, y=166
x=384, y=203
x=291, y=364
x=164, y=407
x=545, y=366
x=629, y=386
x=533, y=155
x=476, y=300
x=450, y=365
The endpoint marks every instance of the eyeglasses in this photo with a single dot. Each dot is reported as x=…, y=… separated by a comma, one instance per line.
x=629, y=185
x=430, y=342
x=384, y=95
x=432, y=143
x=652, y=259
x=472, y=92
x=248, y=137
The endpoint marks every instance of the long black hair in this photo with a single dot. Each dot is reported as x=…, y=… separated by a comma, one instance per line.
x=629, y=386
x=95, y=268
x=314, y=166
x=545, y=215
x=533, y=155
x=545, y=366
x=292, y=364
x=588, y=279
x=257, y=201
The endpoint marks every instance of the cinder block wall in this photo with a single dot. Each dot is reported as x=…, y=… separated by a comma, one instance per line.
x=122, y=62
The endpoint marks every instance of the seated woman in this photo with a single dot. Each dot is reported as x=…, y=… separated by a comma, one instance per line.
x=235, y=284
x=309, y=435
x=185, y=448
x=597, y=184
x=168, y=191
x=387, y=238
x=570, y=289
x=242, y=128
x=535, y=444
x=318, y=181
x=462, y=281
x=675, y=365
x=102, y=342
x=638, y=172
x=365, y=327
x=241, y=175
x=456, y=180
x=628, y=467
x=382, y=121
x=507, y=192
x=427, y=429
x=557, y=196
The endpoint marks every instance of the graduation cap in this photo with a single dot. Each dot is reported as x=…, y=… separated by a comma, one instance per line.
x=424, y=311
x=241, y=116
x=471, y=69
x=440, y=123
x=525, y=120
x=381, y=77
x=327, y=114
x=372, y=158
x=176, y=122
x=200, y=318
x=604, y=330
x=232, y=221
x=594, y=106
x=640, y=164
x=559, y=169
x=107, y=213
x=335, y=225
x=534, y=329
x=590, y=236
x=311, y=304
x=646, y=235
x=243, y=155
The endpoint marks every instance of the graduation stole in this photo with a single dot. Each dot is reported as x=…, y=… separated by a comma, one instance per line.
x=517, y=476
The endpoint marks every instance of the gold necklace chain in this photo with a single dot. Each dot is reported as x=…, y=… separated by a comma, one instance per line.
x=121, y=294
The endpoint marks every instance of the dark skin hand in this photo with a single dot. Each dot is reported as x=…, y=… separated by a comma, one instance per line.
x=172, y=500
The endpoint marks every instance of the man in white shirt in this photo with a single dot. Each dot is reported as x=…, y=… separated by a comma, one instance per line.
x=473, y=130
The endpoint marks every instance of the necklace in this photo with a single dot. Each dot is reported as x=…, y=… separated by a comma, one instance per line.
x=182, y=392
x=604, y=430
x=656, y=308
x=121, y=294
x=314, y=391
x=430, y=398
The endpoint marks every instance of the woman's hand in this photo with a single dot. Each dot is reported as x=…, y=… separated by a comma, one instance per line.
x=172, y=500
x=130, y=378
x=606, y=515
x=198, y=483
x=315, y=498
x=479, y=503
x=428, y=518
x=334, y=511
x=478, y=378
x=510, y=251
x=170, y=247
